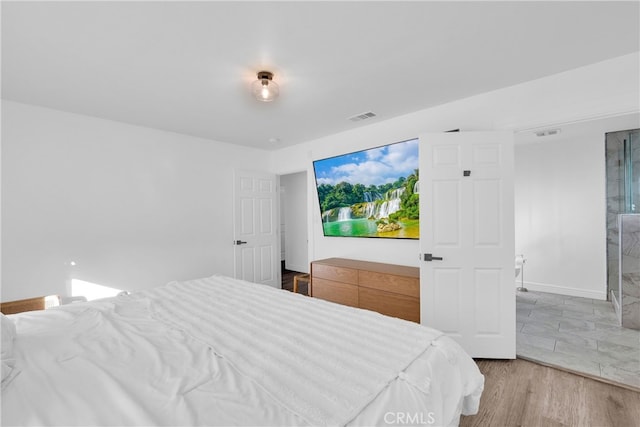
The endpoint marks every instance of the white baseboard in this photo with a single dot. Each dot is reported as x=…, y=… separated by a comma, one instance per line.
x=564, y=290
x=300, y=268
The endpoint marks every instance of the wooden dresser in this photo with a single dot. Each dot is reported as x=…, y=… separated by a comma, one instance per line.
x=389, y=289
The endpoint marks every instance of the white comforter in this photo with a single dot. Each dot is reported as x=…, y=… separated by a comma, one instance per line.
x=219, y=351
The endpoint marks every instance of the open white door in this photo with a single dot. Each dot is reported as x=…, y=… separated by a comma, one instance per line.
x=256, y=237
x=467, y=240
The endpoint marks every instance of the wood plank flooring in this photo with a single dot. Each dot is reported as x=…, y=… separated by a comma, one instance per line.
x=522, y=393
x=287, y=281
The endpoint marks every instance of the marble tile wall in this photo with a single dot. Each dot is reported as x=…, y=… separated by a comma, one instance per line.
x=615, y=206
x=629, y=256
x=623, y=247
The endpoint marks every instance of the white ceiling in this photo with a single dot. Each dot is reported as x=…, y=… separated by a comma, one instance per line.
x=187, y=67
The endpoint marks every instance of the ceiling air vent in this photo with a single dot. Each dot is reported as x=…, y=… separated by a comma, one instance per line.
x=548, y=132
x=362, y=116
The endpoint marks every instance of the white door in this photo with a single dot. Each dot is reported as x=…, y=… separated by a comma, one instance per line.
x=467, y=219
x=255, y=242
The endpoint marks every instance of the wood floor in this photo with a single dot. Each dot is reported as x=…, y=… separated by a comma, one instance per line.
x=522, y=393
x=287, y=281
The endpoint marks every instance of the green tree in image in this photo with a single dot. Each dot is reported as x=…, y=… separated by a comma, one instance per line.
x=409, y=201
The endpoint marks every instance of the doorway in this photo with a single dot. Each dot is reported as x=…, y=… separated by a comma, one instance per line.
x=565, y=320
x=293, y=228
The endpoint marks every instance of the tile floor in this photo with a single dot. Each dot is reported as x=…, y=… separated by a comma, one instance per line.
x=576, y=333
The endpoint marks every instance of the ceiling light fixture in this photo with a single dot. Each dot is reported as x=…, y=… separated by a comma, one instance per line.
x=265, y=89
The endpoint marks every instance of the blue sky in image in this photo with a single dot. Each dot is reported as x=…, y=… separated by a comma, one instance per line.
x=375, y=166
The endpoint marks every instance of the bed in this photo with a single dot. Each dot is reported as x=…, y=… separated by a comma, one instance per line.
x=221, y=351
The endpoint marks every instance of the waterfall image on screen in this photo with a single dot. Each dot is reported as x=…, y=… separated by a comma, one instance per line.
x=370, y=193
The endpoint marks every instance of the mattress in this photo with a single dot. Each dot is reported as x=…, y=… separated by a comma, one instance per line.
x=221, y=351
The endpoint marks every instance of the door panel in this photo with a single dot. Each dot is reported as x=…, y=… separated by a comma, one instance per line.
x=266, y=263
x=487, y=213
x=446, y=285
x=446, y=213
x=466, y=218
x=247, y=257
x=266, y=212
x=487, y=290
x=247, y=214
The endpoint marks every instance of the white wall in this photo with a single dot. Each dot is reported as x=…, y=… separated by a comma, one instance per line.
x=133, y=207
x=605, y=89
x=294, y=215
x=560, y=207
x=137, y=207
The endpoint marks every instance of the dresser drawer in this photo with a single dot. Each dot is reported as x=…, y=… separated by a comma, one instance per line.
x=336, y=274
x=390, y=304
x=409, y=286
x=341, y=293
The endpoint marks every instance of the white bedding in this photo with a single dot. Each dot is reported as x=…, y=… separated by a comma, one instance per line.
x=219, y=351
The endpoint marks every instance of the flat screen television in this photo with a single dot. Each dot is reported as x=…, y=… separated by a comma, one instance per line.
x=370, y=193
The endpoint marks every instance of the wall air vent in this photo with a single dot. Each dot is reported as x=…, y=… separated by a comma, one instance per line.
x=362, y=116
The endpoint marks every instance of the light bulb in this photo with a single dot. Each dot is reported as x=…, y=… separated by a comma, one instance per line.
x=265, y=90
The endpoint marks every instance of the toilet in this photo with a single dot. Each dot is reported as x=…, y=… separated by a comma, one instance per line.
x=520, y=260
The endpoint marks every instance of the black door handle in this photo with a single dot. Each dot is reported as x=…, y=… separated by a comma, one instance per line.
x=429, y=257
x=239, y=242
